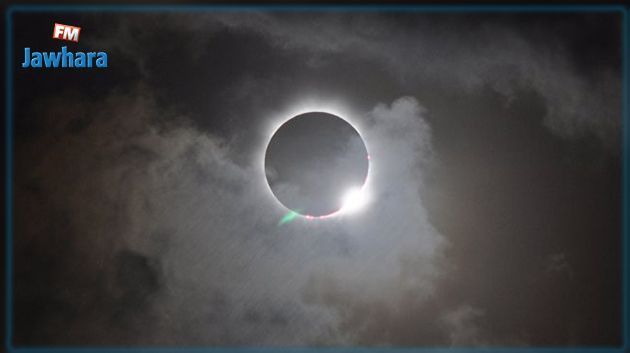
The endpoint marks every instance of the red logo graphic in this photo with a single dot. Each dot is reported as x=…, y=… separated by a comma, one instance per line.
x=66, y=32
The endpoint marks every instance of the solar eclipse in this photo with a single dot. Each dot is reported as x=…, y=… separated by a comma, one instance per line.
x=316, y=165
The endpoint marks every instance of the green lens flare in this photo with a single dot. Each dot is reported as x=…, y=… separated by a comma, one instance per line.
x=288, y=218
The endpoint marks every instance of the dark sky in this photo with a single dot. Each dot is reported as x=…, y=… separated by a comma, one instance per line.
x=142, y=215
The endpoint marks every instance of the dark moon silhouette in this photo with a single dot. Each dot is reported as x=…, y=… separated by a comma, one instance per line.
x=312, y=160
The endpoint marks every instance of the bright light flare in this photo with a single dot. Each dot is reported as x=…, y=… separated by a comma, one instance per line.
x=353, y=200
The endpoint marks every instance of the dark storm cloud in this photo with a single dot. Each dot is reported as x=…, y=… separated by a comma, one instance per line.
x=157, y=211
x=487, y=54
x=505, y=56
x=155, y=224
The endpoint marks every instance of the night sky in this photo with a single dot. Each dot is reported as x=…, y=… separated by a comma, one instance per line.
x=143, y=216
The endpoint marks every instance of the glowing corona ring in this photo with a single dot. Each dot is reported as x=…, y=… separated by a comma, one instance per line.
x=354, y=195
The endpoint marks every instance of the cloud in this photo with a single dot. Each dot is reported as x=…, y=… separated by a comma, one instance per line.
x=183, y=240
x=461, y=323
x=443, y=51
x=155, y=226
x=491, y=54
x=558, y=264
